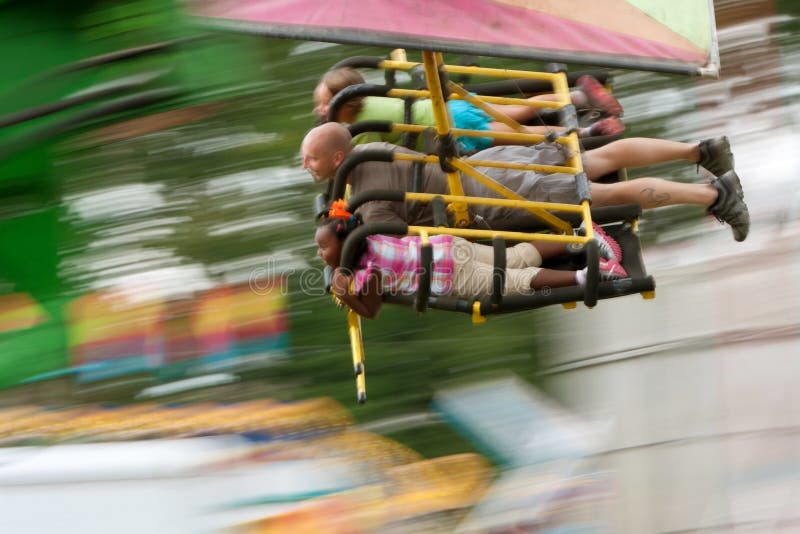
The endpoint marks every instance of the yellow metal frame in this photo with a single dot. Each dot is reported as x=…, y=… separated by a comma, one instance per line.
x=357, y=349
x=432, y=62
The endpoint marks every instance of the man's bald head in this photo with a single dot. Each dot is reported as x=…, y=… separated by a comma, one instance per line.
x=324, y=148
x=331, y=135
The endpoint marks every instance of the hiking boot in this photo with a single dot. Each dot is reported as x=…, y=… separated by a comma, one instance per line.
x=607, y=126
x=716, y=157
x=729, y=206
x=611, y=270
x=598, y=97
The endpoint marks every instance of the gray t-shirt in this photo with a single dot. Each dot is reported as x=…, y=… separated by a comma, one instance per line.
x=532, y=185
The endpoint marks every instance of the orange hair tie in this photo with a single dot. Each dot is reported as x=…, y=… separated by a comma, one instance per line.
x=339, y=210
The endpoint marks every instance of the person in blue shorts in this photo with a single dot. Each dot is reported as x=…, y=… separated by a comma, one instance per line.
x=588, y=92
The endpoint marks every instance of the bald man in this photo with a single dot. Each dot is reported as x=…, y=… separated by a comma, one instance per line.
x=325, y=147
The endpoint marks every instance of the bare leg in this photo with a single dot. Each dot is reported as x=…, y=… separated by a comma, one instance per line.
x=636, y=152
x=652, y=193
x=550, y=249
x=553, y=278
x=523, y=114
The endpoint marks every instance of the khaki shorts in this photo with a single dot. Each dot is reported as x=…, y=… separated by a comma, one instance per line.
x=474, y=265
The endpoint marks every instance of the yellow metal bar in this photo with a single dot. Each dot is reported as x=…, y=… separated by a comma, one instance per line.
x=539, y=104
x=423, y=93
x=522, y=138
x=424, y=238
x=574, y=159
x=549, y=219
x=470, y=233
x=440, y=113
x=489, y=110
x=431, y=61
x=484, y=71
x=518, y=137
x=547, y=169
x=496, y=164
x=398, y=54
x=477, y=318
x=357, y=347
x=401, y=156
x=554, y=222
x=512, y=203
x=502, y=73
x=587, y=220
x=561, y=87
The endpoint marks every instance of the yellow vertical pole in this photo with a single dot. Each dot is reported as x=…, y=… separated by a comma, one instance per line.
x=432, y=61
x=398, y=54
x=561, y=88
x=357, y=347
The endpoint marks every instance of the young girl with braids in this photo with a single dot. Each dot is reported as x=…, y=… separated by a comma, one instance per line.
x=462, y=269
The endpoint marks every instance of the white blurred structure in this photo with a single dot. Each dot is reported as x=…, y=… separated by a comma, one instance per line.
x=702, y=384
x=704, y=381
x=175, y=486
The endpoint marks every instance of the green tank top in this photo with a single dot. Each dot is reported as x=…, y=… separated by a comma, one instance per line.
x=378, y=108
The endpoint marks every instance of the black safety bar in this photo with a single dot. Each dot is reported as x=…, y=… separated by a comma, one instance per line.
x=356, y=158
x=358, y=90
x=498, y=271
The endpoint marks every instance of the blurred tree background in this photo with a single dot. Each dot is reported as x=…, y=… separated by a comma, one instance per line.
x=192, y=182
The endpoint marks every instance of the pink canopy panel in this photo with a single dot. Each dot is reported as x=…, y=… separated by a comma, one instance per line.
x=676, y=36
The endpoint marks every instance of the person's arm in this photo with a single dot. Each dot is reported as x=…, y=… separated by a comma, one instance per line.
x=367, y=303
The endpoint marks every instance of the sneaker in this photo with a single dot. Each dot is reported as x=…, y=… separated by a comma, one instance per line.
x=607, y=126
x=607, y=245
x=729, y=206
x=598, y=97
x=611, y=270
x=716, y=157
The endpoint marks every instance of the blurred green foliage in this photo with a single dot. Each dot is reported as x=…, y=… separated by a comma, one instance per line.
x=224, y=194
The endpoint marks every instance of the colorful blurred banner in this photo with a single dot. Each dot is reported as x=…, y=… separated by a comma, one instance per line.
x=235, y=327
x=109, y=337
x=19, y=311
x=678, y=36
x=228, y=327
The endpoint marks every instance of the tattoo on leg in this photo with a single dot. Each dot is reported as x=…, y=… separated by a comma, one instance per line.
x=659, y=199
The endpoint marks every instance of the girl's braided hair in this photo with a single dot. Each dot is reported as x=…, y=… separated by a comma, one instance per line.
x=341, y=222
x=340, y=226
